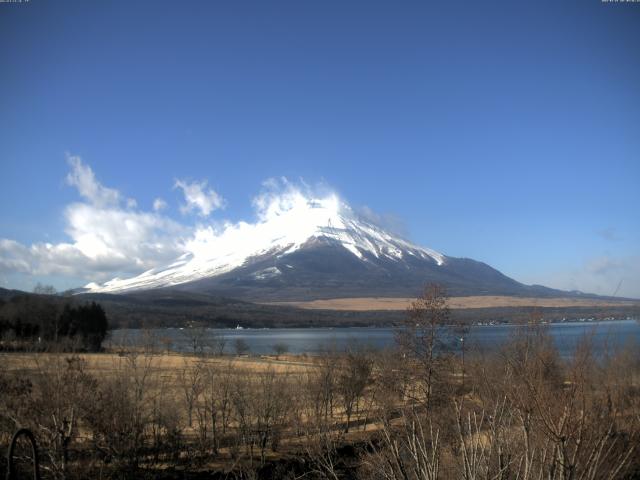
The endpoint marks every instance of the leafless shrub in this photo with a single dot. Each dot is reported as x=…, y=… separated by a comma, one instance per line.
x=408, y=450
x=321, y=449
x=123, y=412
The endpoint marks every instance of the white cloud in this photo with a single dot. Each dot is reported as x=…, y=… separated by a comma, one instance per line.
x=159, y=204
x=109, y=236
x=83, y=178
x=140, y=238
x=106, y=238
x=279, y=195
x=103, y=242
x=388, y=221
x=198, y=197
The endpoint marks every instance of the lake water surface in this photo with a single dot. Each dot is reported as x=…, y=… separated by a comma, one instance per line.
x=606, y=335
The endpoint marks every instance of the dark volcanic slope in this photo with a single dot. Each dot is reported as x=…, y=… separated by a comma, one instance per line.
x=325, y=269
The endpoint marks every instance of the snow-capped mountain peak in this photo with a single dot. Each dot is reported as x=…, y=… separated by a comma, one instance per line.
x=285, y=225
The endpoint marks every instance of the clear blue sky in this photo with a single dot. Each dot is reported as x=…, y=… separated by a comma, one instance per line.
x=508, y=132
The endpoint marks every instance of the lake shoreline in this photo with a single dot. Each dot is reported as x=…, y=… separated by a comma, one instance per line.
x=372, y=326
x=606, y=334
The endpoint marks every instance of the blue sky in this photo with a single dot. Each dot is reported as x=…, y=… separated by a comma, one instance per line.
x=507, y=132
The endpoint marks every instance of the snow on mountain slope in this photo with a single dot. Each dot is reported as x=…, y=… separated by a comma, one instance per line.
x=286, y=225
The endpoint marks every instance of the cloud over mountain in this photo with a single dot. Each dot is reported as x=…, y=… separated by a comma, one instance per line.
x=199, y=198
x=82, y=177
x=109, y=235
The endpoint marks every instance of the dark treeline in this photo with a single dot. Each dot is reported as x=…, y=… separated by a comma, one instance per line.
x=159, y=309
x=43, y=321
x=178, y=309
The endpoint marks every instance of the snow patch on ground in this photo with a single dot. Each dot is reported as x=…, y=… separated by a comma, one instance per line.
x=267, y=273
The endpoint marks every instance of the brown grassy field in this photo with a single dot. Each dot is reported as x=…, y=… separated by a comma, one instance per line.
x=168, y=377
x=387, y=303
x=102, y=364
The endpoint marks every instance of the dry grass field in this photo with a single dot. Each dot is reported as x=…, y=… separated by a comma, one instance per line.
x=188, y=390
x=391, y=304
x=168, y=364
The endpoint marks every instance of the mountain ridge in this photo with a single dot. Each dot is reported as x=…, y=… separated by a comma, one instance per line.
x=307, y=248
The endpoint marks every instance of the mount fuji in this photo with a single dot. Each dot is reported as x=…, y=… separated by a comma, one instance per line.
x=305, y=248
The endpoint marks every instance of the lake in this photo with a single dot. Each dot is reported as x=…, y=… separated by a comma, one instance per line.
x=612, y=335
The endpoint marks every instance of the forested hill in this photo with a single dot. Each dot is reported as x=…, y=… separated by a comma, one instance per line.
x=28, y=319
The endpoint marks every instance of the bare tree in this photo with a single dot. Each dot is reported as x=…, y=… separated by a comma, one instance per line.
x=409, y=451
x=321, y=386
x=421, y=339
x=167, y=343
x=321, y=449
x=217, y=404
x=196, y=338
x=461, y=334
x=149, y=341
x=241, y=346
x=354, y=376
x=120, y=413
x=261, y=409
x=217, y=343
x=61, y=392
x=191, y=385
x=392, y=380
x=280, y=348
x=541, y=418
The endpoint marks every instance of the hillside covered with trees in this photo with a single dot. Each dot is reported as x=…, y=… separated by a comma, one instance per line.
x=43, y=320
